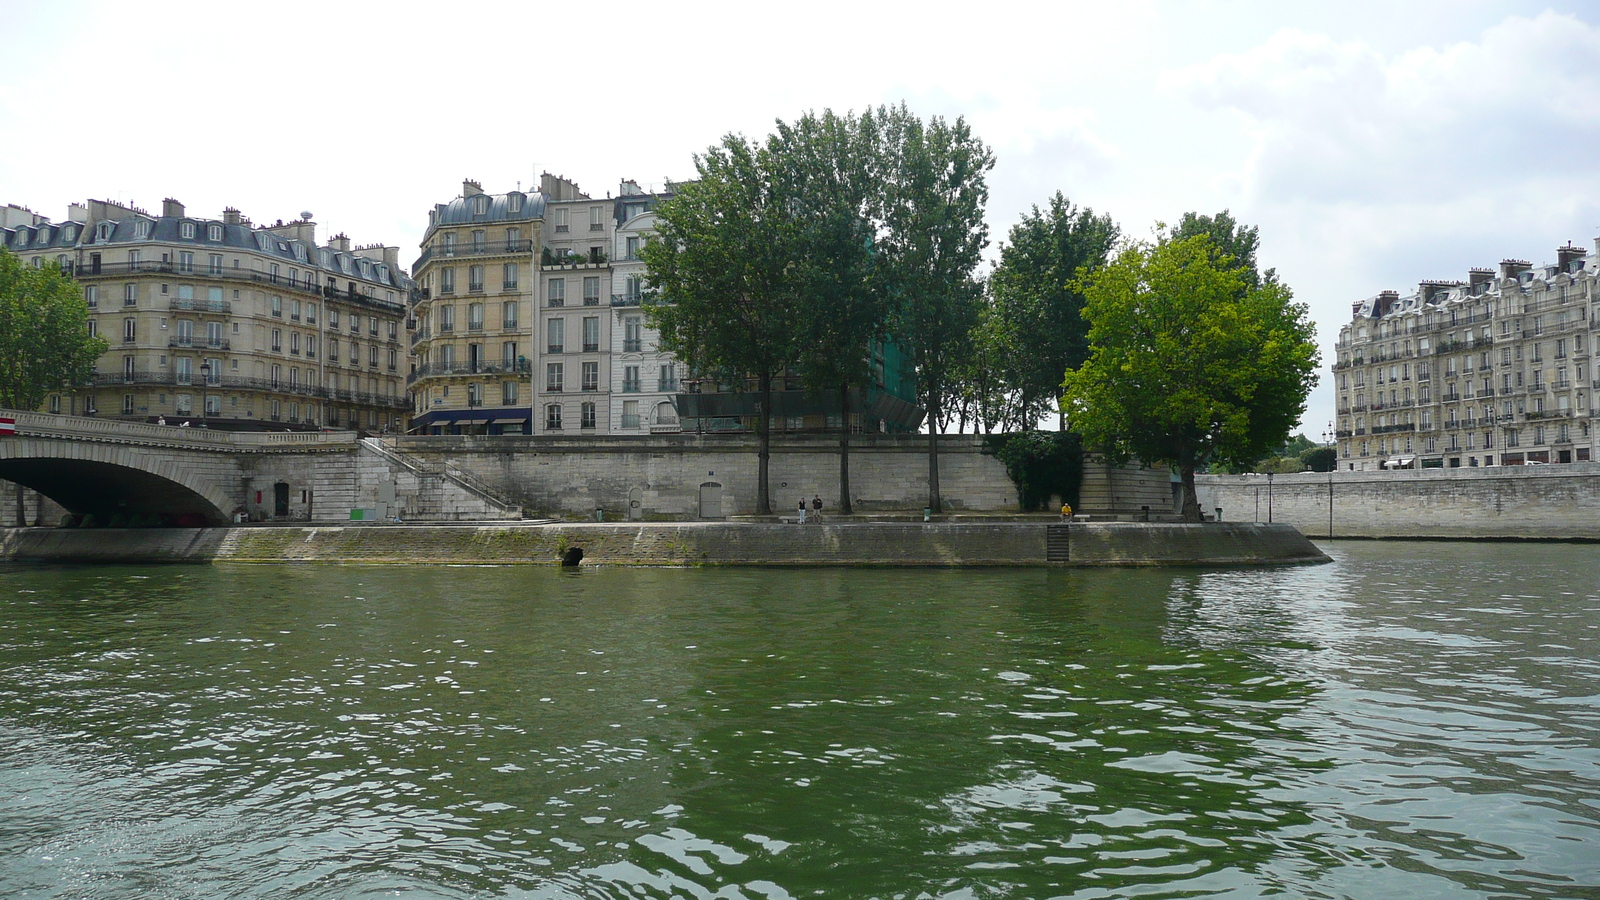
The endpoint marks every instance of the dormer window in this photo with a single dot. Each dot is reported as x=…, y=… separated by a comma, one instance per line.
x=299, y=251
x=186, y=231
x=480, y=205
x=103, y=231
x=42, y=237
x=214, y=232
x=514, y=202
x=327, y=258
x=263, y=240
x=69, y=233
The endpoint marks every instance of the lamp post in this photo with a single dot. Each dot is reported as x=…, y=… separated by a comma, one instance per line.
x=1328, y=437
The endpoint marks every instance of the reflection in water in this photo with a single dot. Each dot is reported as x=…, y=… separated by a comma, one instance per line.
x=1412, y=719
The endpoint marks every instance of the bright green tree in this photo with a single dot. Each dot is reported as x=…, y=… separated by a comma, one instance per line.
x=1229, y=239
x=1189, y=362
x=932, y=197
x=721, y=272
x=1035, y=325
x=45, y=343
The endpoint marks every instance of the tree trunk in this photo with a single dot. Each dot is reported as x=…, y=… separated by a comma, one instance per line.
x=845, y=508
x=1191, y=502
x=764, y=447
x=933, y=454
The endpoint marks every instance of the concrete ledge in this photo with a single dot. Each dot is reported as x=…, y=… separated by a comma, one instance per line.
x=686, y=544
x=1163, y=544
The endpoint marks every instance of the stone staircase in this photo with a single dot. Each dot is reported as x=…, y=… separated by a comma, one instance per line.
x=428, y=492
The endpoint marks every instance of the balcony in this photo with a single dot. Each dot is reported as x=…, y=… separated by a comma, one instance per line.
x=496, y=367
x=630, y=387
x=206, y=306
x=180, y=341
x=457, y=251
x=110, y=270
x=633, y=345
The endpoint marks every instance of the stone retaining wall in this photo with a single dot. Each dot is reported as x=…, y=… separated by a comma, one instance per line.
x=1558, y=502
x=886, y=544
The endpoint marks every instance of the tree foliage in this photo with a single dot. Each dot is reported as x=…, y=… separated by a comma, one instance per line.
x=720, y=268
x=1042, y=464
x=1190, y=362
x=932, y=239
x=1034, y=326
x=45, y=343
x=794, y=253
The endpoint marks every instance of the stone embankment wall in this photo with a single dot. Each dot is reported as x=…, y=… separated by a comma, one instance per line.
x=1558, y=502
x=881, y=544
x=712, y=476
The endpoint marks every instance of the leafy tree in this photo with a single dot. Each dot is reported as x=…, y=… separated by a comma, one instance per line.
x=45, y=343
x=1229, y=240
x=931, y=200
x=1037, y=327
x=720, y=268
x=1189, y=361
x=827, y=169
x=1321, y=459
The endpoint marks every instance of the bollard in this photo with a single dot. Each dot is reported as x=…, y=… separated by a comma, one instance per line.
x=1219, y=514
x=1146, y=511
x=599, y=514
x=927, y=514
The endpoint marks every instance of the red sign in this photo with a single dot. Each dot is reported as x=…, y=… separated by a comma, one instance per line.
x=8, y=425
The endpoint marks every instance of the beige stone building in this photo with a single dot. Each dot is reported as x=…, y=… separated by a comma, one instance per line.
x=571, y=373
x=222, y=323
x=476, y=289
x=1494, y=370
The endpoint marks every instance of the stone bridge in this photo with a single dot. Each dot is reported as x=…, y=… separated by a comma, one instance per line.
x=195, y=476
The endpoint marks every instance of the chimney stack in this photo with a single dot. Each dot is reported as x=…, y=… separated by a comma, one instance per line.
x=470, y=188
x=340, y=242
x=1511, y=268
x=171, y=208
x=1566, y=256
x=1478, y=276
x=231, y=216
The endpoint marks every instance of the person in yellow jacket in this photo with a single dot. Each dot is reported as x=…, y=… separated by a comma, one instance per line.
x=1066, y=511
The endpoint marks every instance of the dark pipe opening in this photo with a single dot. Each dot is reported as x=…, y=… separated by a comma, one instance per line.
x=572, y=557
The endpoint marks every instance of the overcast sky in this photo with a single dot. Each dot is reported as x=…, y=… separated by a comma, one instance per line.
x=1376, y=144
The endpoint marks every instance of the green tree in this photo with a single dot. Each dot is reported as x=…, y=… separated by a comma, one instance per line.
x=1321, y=459
x=931, y=198
x=1189, y=362
x=1229, y=240
x=826, y=164
x=45, y=343
x=1036, y=326
x=721, y=271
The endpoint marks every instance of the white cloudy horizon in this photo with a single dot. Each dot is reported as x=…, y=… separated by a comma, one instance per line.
x=1375, y=145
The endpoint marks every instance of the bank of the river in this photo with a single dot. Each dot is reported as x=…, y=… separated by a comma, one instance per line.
x=942, y=544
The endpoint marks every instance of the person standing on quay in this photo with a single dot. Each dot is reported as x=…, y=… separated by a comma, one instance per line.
x=802, y=510
x=816, y=508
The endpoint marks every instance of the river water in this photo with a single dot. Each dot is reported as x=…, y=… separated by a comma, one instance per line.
x=1413, y=720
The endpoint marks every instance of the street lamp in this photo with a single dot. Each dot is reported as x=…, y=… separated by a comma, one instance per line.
x=1329, y=435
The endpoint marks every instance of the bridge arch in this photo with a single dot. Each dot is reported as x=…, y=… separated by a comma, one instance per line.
x=107, y=478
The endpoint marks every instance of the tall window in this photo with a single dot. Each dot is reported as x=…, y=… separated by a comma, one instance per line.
x=597, y=218
x=669, y=378
x=634, y=285
x=474, y=394
x=556, y=342
x=633, y=248
x=630, y=379
x=552, y=377
x=587, y=411
x=559, y=217
x=130, y=329
x=91, y=295
x=214, y=264
x=630, y=414
x=508, y=354
x=591, y=290
x=447, y=318
x=447, y=281
x=475, y=278
x=513, y=238
x=508, y=276
x=591, y=376
x=480, y=240
x=185, y=261
x=552, y=417
x=449, y=243
x=130, y=295
x=508, y=314
x=632, y=334
x=474, y=316
x=591, y=334
x=558, y=292
x=508, y=393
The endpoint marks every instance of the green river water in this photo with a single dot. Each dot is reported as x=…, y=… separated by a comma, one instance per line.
x=1415, y=720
